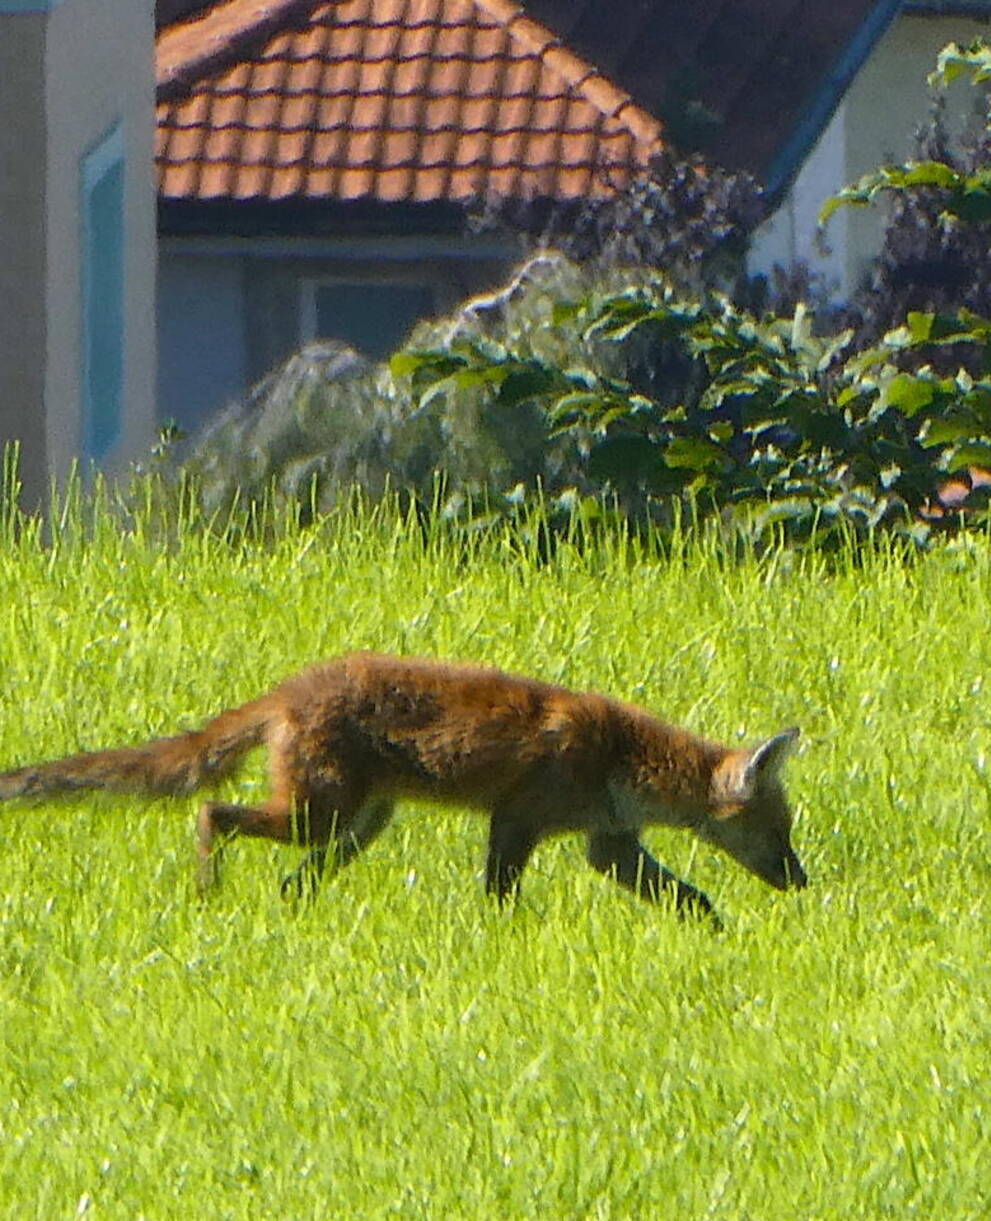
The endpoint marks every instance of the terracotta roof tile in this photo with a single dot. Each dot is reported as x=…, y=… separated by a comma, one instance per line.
x=386, y=99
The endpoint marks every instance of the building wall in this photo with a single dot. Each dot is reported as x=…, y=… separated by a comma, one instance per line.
x=887, y=103
x=202, y=337
x=790, y=236
x=71, y=72
x=100, y=74
x=23, y=269
x=875, y=123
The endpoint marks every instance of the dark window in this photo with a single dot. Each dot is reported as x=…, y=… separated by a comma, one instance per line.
x=374, y=318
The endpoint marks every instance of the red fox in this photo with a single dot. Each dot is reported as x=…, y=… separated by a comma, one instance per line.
x=347, y=738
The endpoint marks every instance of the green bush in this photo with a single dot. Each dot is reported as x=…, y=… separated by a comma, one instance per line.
x=607, y=390
x=327, y=421
x=784, y=432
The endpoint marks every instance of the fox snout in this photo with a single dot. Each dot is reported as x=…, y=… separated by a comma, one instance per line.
x=787, y=874
x=782, y=870
x=763, y=854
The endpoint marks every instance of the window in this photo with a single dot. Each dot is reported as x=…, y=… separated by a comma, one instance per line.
x=374, y=317
x=103, y=295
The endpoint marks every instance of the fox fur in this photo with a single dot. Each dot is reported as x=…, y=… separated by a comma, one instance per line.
x=346, y=739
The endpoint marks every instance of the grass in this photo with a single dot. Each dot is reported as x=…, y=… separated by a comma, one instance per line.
x=403, y=1049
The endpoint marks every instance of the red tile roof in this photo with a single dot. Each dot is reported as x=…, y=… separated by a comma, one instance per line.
x=408, y=100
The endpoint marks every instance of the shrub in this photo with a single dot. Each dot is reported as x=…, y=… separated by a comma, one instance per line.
x=604, y=386
x=785, y=430
x=327, y=421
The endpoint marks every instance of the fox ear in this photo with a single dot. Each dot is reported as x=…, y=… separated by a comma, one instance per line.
x=770, y=755
x=738, y=778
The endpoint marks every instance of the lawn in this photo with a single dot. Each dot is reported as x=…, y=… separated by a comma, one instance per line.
x=401, y=1047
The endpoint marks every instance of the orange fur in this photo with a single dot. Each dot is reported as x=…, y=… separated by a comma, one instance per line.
x=349, y=737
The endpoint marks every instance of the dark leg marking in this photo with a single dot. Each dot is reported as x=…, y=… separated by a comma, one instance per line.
x=219, y=821
x=345, y=843
x=510, y=845
x=625, y=859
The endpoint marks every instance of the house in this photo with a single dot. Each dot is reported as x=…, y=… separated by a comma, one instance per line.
x=874, y=121
x=77, y=234
x=805, y=95
x=315, y=161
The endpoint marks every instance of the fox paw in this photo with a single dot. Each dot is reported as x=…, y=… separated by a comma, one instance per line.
x=300, y=886
x=692, y=902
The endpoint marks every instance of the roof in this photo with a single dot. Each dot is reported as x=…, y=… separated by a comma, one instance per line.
x=950, y=8
x=169, y=11
x=750, y=83
x=390, y=100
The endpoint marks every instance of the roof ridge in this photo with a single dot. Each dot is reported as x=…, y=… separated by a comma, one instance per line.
x=604, y=94
x=192, y=48
x=219, y=31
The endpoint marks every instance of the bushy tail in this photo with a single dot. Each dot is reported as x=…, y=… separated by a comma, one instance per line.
x=167, y=765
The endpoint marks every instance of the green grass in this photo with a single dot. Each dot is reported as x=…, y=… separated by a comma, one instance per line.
x=403, y=1049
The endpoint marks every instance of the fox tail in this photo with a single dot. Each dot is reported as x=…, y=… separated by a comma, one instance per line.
x=166, y=765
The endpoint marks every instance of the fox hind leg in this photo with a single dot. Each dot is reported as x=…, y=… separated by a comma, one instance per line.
x=220, y=821
x=347, y=838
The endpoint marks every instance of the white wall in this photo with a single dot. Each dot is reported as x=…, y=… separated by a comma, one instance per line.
x=99, y=72
x=875, y=123
x=790, y=236
x=22, y=244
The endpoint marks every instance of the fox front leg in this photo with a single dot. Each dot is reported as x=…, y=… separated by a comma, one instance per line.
x=510, y=844
x=622, y=857
x=347, y=838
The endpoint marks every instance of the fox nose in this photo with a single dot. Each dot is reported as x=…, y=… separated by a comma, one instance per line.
x=797, y=879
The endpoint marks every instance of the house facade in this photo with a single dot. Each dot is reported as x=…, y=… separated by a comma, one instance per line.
x=315, y=162
x=874, y=122
x=806, y=96
x=234, y=301
x=77, y=235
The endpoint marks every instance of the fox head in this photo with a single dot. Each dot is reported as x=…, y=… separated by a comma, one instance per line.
x=748, y=814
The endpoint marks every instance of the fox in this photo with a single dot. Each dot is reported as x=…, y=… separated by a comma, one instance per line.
x=348, y=738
